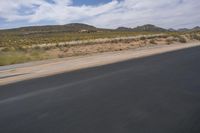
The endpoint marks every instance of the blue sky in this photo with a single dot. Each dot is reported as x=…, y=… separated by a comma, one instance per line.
x=90, y=2
x=100, y=13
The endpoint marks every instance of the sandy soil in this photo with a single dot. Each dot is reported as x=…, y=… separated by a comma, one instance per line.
x=15, y=73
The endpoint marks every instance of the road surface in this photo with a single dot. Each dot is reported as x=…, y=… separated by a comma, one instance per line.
x=157, y=94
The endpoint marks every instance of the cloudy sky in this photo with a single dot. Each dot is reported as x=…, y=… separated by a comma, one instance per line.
x=100, y=13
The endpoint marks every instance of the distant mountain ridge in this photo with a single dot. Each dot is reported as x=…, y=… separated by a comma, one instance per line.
x=149, y=27
x=79, y=27
x=124, y=29
x=153, y=28
x=143, y=28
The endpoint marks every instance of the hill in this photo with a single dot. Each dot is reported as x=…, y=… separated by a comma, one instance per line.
x=79, y=27
x=150, y=28
x=144, y=28
x=73, y=27
x=124, y=29
x=197, y=28
x=26, y=36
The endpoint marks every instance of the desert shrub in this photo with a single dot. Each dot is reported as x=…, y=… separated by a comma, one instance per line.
x=188, y=36
x=169, y=41
x=182, y=39
x=175, y=35
x=195, y=36
x=151, y=37
x=164, y=36
x=37, y=47
x=61, y=48
x=142, y=38
x=175, y=39
x=61, y=56
x=115, y=41
x=57, y=45
x=127, y=41
x=152, y=41
x=21, y=48
x=47, y=48
x=8, y=49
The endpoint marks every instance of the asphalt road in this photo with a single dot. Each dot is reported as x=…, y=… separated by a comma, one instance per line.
x=157, y=94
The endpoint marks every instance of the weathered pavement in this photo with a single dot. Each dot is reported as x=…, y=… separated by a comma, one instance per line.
x=156, y=94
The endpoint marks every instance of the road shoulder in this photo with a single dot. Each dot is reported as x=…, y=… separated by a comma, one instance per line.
x=20, y=72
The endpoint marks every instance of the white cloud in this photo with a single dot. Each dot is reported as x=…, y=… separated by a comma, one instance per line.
x=170, y=13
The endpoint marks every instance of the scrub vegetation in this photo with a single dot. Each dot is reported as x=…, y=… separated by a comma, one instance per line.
x=39, y=43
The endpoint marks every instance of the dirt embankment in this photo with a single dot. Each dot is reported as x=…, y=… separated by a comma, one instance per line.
x=118, y=45
x=15, y=73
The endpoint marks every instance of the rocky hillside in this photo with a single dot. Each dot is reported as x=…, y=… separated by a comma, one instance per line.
x=73, y=27
x=150, y=28
x=144, y=28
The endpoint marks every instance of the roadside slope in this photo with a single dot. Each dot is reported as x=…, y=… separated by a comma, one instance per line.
x=15, y=73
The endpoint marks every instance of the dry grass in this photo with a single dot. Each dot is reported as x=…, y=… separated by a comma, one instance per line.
x=13, y=55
